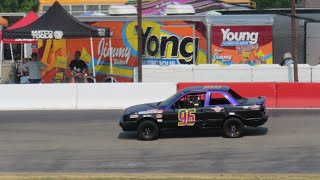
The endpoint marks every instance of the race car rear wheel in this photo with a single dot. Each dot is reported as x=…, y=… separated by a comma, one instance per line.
x=233, y=128
x=148, y=130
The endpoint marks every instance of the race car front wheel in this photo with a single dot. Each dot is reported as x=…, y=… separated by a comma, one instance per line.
x=148, y=130
x=233, y=128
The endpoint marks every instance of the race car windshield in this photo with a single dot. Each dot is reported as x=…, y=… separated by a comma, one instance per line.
x=166, y=102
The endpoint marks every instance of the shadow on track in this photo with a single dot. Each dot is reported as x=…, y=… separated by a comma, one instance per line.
x=169, y=134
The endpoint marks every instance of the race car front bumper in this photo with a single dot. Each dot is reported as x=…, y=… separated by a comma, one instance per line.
x=255, y=122
x=127, y=125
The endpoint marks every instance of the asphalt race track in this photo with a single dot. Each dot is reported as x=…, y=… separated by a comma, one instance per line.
x=92, y=141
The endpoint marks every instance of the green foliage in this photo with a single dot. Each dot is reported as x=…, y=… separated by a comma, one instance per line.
x=18, y=5
x=29, y=5
x=8, y=5
x=267, y=4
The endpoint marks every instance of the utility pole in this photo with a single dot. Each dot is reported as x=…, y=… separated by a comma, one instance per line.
x=294, y=39
x=139, y=41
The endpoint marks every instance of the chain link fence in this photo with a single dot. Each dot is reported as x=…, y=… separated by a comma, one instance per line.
x=247, y=32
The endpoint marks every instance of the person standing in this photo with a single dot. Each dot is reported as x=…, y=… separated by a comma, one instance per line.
x=34, y=68
x=24, y=75
x=287, y=59
x=78, y=68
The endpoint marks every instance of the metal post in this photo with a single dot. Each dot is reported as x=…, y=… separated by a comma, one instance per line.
x=111, y=63
x=92, y=61
x=139, y=41
x=1, y=58
x=209, y=44
x=294, y=39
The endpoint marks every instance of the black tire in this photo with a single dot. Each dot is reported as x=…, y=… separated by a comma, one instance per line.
x=148, y=130
x=233, y=128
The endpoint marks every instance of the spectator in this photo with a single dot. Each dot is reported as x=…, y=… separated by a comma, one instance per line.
x=78, y=68
x=34, y=68
x=287, y=60
x=24, y=74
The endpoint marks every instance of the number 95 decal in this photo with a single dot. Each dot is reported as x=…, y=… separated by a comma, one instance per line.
x=186, y=117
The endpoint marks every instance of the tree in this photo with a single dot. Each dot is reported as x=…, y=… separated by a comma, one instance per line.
x=19, y=5
x=268, y=4
x=9, y=5
x=29, y=5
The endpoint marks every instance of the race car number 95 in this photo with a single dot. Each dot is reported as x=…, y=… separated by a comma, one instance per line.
x=186, y=117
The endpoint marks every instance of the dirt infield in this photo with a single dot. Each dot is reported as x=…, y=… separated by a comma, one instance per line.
x=149, y=176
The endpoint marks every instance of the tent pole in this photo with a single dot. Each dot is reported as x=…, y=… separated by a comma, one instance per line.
x=92, y=59
x=11, y=50
x=21, y=51
x=111, y=63
x=1, y=58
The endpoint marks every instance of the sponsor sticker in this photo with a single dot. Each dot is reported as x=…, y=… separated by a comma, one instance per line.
x=154, y=111
x=158, y=116
x=255, y=107
x=217, y=109
x=143, y=112
x=134, y=116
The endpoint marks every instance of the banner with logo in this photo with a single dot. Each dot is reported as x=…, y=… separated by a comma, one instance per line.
x=164, y=43
x=242, y=45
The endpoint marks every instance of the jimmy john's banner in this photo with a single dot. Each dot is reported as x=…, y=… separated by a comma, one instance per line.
x=242, y=45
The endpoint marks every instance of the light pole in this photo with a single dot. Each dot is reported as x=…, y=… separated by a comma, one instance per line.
x=139, y=41
x=294, y=40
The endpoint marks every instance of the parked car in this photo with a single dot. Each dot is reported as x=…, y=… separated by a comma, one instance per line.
x=196, y=107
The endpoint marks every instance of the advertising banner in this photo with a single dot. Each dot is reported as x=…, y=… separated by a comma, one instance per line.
x=242, y=45
x=164, y=43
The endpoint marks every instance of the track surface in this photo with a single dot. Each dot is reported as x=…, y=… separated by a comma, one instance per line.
x=92, y=141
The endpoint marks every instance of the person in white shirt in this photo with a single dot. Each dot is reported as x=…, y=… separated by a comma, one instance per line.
x=287, y=59
x=34, y=68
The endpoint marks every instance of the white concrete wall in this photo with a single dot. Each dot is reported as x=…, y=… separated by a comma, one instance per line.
x=40, y=96
x=232, y=73
x=174, y=73
x=217, y=73
x=316, y=73
x=82, y=96
x=122, y=95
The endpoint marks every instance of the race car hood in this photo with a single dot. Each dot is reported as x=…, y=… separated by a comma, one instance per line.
x=254, y=101
x=142, y=107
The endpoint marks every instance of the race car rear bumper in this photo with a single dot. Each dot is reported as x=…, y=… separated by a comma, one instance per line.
x=255, y=122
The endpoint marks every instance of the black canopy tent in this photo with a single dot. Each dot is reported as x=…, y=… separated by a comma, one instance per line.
x=57, y=23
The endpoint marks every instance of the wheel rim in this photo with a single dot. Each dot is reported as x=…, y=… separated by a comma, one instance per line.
x=147, y=131
x=233, y=129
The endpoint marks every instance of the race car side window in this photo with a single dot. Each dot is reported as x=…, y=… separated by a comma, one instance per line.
x=194, y=100
x=217, y=98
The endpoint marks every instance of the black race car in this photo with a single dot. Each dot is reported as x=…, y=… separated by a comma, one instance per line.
x=196, y=107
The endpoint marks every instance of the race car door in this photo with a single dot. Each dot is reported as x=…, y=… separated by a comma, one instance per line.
x=187, y=111
x=215, y=111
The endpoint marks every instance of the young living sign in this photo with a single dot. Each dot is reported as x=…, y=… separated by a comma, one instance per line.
x=45, y=34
